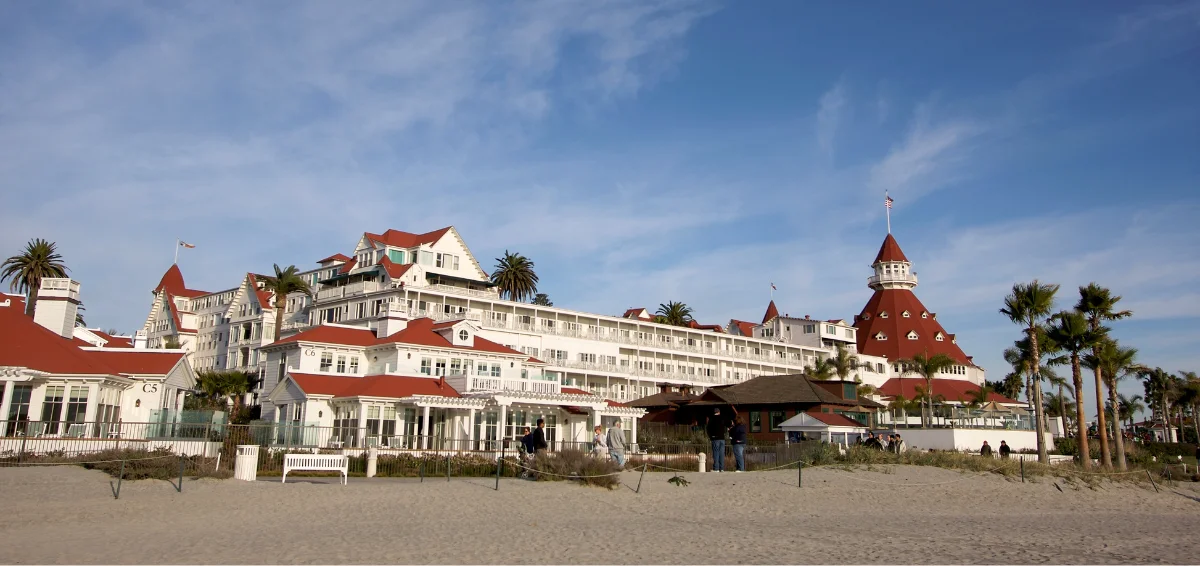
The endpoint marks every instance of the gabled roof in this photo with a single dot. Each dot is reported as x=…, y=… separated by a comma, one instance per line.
x=264, y=297
x=637, y=313
x=896, y=327
x=664, y=399
x=712, y=327
x=389, y=386
x=777, y=389
x=114, y=341
x=394, y=271
x=834, y=419
x=399, y=239
x=334, y=257
x=951, y=389
x=348, y=266
x=420, y=332
x=889, y=251
x=772, y=312
x=744, y=328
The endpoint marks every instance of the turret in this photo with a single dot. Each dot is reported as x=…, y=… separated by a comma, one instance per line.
x=892, y=268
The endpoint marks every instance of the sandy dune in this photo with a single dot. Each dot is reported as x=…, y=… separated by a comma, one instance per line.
x=68, y=515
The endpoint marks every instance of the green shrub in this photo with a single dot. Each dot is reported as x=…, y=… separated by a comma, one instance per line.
x=576, y=465
x=1066, y=446
x=1170, y=450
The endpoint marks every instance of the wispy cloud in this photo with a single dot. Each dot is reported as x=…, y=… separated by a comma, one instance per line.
x=932, y=155
x=829, y=115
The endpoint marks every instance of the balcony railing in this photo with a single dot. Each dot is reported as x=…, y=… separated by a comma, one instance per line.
x=348, y=290
x=462, y=291
x=892, y=278
x=487, y=383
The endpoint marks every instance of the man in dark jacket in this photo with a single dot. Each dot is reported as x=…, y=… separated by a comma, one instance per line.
x=539, y=437
x=716, y=434
x=986, y=451
x=737, y=437
x=1004, y=450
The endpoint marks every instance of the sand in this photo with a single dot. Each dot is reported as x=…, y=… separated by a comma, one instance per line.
x=68, y=515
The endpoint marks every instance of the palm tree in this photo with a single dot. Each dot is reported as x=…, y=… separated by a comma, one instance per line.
x=222, y=387
x=1073, y=333
x=1190, y=393
x=171, y=343
x=821, y=370
x=674, y=313
x=515, y=277
x=40, y=260
x=79, y=315
x=542, y=300
x=1129, y=407
x=844, y=362
x=1099, y=306
x=1159, y=386
x=902, y=405
x=1029, y=305
x=927, y=367
x=1115, y=363
x=285, y=282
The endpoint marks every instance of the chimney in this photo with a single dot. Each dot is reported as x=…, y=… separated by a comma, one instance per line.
x=441, y=382
x=139, y=340
x=57, y=304
x=392, y=319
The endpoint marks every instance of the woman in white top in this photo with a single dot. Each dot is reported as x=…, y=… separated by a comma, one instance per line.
x=599, y=443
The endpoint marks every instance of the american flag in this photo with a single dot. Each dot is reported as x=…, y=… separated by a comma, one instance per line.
x=888, y=202
x=185, y=244
x=773, y=287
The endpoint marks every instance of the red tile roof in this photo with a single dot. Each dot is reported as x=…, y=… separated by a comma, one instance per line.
x=745, y=328
x=533, y=360
x=390, y=386
x=264, y=297
x=951, y=389
x=138, y=362
x=772, y=312
x=172, y=283
x=346, y=267
x=575, y=391
x=400, y=239
x=114, y=341
x=896, y=328
x=420, y=332
x=335, y=257
x=712, y=327
x=28, y=344
x=636, y=313
x=394, y=270
x=889, y=251
x=833, y=419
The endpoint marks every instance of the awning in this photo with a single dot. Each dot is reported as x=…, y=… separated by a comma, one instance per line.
x=444, y=277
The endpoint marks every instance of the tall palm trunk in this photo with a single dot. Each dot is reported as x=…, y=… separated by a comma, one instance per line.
x=1196, y=424
x=927, y=415
x=1101, y=418
x=1062, y=407
x=1118, y=439
x=31, y=302
x=1039, y=412
x=280, y=303
x=1164, y=419
x=1085, y=456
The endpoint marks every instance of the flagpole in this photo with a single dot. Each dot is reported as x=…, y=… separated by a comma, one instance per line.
x=177, y=250
x=889, y=213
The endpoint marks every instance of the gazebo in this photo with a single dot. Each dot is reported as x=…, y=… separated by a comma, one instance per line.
x=827, y=427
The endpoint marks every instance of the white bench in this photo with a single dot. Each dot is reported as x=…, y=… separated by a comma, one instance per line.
x=315, y=463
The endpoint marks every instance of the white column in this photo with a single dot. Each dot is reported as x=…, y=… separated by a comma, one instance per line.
x=503, y=421
x=89, y=415
x=5, y=403
x=362, y=425
x=633, y=435
x=425, y=427
x=471, y=426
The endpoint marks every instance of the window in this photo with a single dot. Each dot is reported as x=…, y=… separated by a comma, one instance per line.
x=938, y=337
x=925, y=315
x=455, y=266
x=456, y=366
x=530, y=351
x=18, y=409
x=326, y=361
x=878, y=368
x=775, y=418
x=426, y=366
x=883, y=314
x=768, y=332
x=424, y=257
x=463, y=335
x=396, y=256
x=373, y=420
x=849, y=390
x=881, y=336
x=354, y=365
x=755, y=421
x=587, y=358
x=912, y=335
x=341, y=364
x=830, y=329
x=52, y=407
x=810, y=328
x=495, y=370
x=77, y=404
x=439, y=368
x=483, y=369
x=904, y=314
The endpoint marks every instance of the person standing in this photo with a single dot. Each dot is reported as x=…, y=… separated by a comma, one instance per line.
x=1004, y=450
x=539, y=437
x=599, y=443
x=616, y=443
x=716, y=435
x=737, y=437
x=900, y=448
x=986, y=451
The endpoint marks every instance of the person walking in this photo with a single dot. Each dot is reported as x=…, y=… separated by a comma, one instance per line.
x=737, y=437
x=616, y=443
x=716, y=435
x=539, y=437
x=599, y=443
x=1004, y=450
x=985, y=451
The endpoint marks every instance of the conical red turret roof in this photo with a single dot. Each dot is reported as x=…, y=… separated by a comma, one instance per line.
x=889, y=251
x=172, y=281
x=883, y=330
x=772, y=312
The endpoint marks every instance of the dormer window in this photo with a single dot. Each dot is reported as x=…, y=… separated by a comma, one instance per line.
x=865, y=316
x=883, y=314
x=925, y=315
x=904, y=314
x=939, y=337
x=912, y=335
x=463, y=335
x=880, y=336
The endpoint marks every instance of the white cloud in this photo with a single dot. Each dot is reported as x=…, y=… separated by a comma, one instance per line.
x=930, y=157
x=829, y=115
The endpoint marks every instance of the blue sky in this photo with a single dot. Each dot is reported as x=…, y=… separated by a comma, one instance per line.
x=637, y=151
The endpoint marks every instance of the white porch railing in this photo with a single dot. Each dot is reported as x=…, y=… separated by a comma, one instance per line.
x=461, y=291
x=348, y=290
x=893, y=278
x=486, y=383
